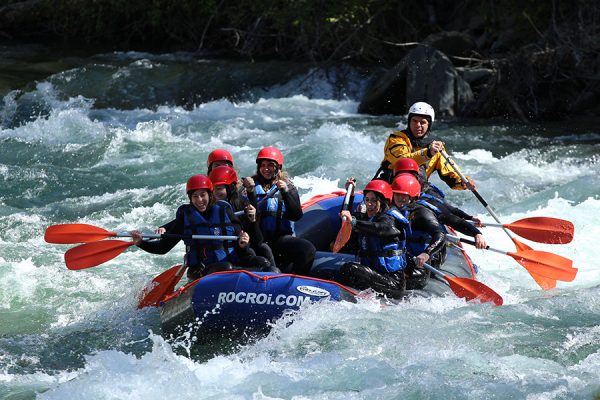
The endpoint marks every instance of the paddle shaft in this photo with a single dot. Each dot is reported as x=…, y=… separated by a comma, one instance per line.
x=434, y=271
x=173, y=235
x=346, y=202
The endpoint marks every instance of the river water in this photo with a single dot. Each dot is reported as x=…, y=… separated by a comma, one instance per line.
x=111, y=141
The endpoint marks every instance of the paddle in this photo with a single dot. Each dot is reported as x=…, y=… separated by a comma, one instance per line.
x=161, y=286
x=543, y=281
x=78, y=233
x=270, y=193
x=84, y=233
x=89, y=255
x=468, y=288
x=346, y=229
x=541, y=229
x=541, y=263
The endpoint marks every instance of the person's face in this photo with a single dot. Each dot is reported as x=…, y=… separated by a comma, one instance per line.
x=200, y=199
x=373, y=204
x=220, y=192
x=267, y=169
x=419, y=126
x=401, y=199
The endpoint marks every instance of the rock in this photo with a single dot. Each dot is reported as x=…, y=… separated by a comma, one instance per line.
x=425, y=74
x=475, y=75
x=451, y=43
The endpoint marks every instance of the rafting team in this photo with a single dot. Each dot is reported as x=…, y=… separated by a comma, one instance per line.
x=398, y=227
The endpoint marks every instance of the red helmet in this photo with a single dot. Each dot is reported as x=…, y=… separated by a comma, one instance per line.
x=198, y=182
x=223, y=175
x=270, y=153
x=219, y=155
x=381, y=187
x=406, y=184
x=406, y=164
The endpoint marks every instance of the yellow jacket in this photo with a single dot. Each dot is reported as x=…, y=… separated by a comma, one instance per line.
x=398, y=146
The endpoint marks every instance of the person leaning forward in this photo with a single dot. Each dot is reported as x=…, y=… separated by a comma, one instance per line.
x=414, y=142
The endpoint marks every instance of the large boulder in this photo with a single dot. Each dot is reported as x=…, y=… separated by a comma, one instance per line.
x=425, y=74
x=451, y=43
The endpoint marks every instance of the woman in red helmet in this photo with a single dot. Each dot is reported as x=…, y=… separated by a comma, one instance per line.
x=278, y=213
x=426, y=240
x=379, y=243
x=447, y=214
x=204, y=216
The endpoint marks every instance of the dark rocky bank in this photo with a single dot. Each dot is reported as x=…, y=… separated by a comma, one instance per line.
x=524, y=59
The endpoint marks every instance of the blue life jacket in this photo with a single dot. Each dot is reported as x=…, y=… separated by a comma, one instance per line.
x=272, y=222
x=438, y=191
x=206, y=252
x=430, y=199
x=417, y=240
x=382, y=257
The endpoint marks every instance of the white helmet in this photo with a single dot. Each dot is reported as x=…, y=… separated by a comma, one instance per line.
x=422, y=108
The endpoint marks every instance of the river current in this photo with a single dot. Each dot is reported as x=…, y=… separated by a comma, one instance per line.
x=112, y=140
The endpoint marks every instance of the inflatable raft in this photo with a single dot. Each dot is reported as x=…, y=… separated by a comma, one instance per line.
x=242, y=302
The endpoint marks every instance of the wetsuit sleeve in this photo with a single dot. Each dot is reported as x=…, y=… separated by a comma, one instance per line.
x=164, y=245
x=168, y=225
x=424, y=219
x=461, y=225
x=398, y=146
x=458, y=212
x=455, y=218
x=237, y=224
x=253, y=229
x=382, y=226
x=291, y=199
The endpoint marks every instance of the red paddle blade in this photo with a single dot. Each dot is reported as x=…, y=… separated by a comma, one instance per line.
x=544, y=229
x=75, y=233
x=343, y=236
x=91, y=254
x=471, y=289
x=546, y=264
x=160, y=287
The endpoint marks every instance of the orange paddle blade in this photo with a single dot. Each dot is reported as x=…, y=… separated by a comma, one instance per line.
x=91, y=254
x=75, y=233
x=542, y=281
x=343, y=236
x=546, y=264
x=544, y=229
x=471, y=289
x=161, y=286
